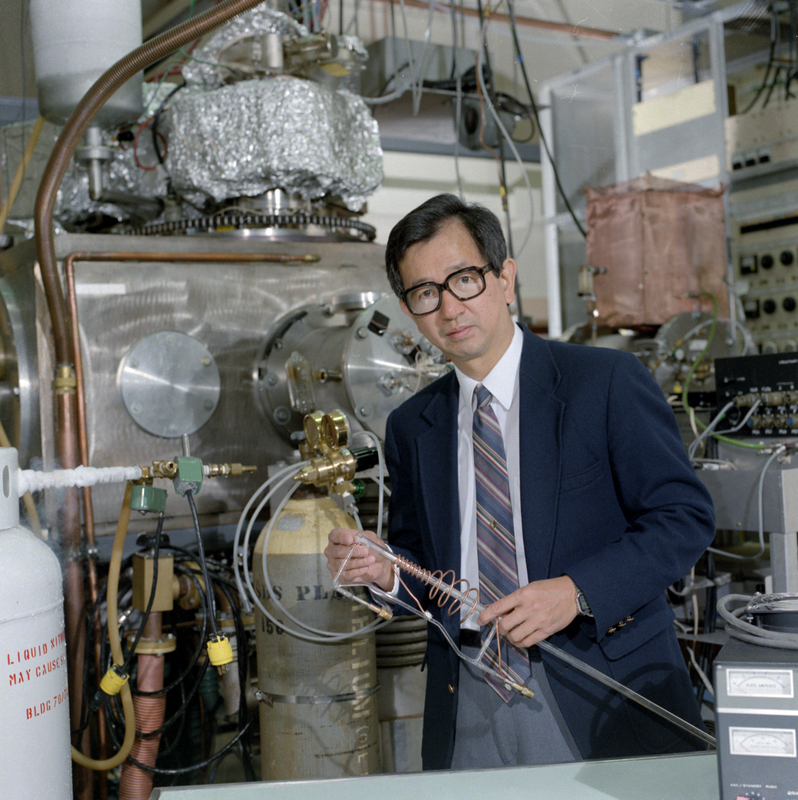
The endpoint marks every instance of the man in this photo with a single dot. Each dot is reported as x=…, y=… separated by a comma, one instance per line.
x=605, y=509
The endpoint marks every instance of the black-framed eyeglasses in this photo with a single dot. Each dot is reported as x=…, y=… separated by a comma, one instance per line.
x=465, y=284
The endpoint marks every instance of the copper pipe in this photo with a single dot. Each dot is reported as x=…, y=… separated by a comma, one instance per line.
x=530, y=22
x=136, y=783
x=215, y=258
x=124, y=69
x=88, y=516
x=66, y=435
x=69, y=522
x=71, y=515
x=71, y=541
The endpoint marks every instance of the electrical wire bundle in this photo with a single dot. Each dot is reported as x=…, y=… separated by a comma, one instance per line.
x=774, y=452
x=192, y=694
x=778, y=69
x=194, y=701
x=769, y=620
x=243, y=546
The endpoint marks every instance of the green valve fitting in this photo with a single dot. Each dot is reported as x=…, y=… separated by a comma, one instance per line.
x=358, y=488
x=189, y=475
x=147, y=498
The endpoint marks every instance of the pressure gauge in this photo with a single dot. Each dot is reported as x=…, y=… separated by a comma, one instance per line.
x=312, y=428
x=335, y=430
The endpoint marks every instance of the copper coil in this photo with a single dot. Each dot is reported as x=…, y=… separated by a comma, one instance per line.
x=136, y=783
x=438, y=591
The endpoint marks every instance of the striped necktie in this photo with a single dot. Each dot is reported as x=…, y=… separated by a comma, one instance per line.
x=498, y=570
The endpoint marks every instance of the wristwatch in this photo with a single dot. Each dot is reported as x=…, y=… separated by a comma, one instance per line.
x=582, y=606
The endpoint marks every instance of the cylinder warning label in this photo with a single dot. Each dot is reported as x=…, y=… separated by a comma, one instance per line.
x=33, y=677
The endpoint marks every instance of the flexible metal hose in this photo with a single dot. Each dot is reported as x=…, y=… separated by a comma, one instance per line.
x=124, y=69
x=64, y=401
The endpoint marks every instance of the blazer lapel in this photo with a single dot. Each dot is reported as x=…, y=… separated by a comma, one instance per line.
x=436, y=450
x=540, y=443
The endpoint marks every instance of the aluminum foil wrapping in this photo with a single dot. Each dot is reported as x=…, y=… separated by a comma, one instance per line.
x=133, y=177
x=74, y=209
x=286, y=132
x=135, y=187
x=257, y=21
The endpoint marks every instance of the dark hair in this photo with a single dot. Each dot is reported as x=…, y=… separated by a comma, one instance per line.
x=424, y=222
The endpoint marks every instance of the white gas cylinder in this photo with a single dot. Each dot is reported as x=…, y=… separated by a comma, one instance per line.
x=35, y=759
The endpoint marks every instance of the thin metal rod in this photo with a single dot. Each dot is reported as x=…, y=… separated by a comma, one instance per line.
x=450, y=590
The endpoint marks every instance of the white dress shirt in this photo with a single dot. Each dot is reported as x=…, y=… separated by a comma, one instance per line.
x=502, y=383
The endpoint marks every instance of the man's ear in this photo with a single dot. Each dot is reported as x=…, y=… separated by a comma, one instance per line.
x=507, y=278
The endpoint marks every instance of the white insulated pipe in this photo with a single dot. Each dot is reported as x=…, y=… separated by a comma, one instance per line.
x=29, y=480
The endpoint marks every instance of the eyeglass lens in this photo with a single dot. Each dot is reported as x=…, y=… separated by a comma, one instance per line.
x=464, y=284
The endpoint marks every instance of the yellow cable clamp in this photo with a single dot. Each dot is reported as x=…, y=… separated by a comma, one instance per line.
x=113, y=681
x=220, y=652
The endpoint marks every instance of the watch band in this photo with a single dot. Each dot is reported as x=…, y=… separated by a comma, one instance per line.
x=582, y=606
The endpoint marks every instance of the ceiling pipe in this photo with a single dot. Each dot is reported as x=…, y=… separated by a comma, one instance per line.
x=530, y=22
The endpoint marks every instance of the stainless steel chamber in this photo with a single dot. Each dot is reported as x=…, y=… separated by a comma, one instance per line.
x=138, y=297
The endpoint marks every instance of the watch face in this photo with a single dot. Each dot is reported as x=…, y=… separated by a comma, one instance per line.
x=581, y=601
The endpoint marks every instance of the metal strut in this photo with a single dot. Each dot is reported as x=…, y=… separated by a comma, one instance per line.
x=470, y=603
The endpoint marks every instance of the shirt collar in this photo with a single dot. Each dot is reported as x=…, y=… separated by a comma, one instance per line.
x=502, y=380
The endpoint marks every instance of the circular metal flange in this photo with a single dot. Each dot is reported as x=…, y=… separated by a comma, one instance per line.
x=153, y=647
x=680, y=341
x=299, y=226
x=355, y=353
x=170, y=384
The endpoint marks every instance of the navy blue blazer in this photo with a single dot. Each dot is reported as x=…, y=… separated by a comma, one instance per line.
x=609, y=498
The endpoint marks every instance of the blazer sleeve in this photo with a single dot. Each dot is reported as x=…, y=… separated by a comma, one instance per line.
x=667, y=514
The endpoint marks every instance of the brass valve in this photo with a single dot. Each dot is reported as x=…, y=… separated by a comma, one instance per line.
x=334, y=464
x=227, y=470
x=146, y=477
x=322, y=470
x=164, y=469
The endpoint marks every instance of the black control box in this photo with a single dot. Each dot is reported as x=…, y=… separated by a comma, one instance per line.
x=771, y=379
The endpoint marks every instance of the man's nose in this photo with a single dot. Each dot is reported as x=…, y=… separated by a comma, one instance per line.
x=450, y=305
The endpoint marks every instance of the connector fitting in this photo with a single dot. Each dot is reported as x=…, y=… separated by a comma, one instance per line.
x=113, y=681
x=227, y=470
x=220, y=652
x=523, y=690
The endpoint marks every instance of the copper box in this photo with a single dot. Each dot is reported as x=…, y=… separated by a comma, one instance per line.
x=663, y=246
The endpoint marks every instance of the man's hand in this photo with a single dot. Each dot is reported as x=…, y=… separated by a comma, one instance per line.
x=535, y=611
x=363, y=566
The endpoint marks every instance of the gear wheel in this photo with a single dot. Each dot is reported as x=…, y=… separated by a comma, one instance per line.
x=348, y=226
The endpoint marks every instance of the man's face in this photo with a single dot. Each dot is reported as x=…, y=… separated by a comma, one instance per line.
x=473, y=333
